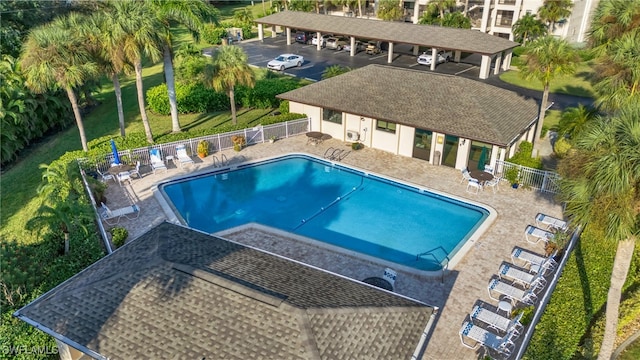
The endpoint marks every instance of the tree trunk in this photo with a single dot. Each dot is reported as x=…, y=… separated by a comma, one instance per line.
x=171, y=88
x=232, y=99
x=466, y=8
x=76, y=113
x=143, y=112
x=543, y=109
x=621, y=265
x=66, y=243
x=118, y=91
x=359, y=8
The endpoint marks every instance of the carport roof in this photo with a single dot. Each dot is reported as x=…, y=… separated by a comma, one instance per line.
x=398, y=32
x=442, y=103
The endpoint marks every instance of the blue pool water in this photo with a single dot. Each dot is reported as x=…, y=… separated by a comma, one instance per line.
x=330, y=203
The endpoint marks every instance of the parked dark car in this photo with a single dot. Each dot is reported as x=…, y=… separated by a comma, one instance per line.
x=304, y=37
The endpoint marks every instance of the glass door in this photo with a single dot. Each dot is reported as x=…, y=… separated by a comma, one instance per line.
x=422, y=144
x=450, y=150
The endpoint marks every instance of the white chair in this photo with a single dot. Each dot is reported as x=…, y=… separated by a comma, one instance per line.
x=136, y=171
x=551, y=222
x=156, y=161
x=535, y=262
x=497, y=321
x=489, y=169
x=465, y=175
x=112, y=217
x=105, y=177
x=527, y=297
x=503, y=345
x=473, y=186
x=390, y=275
x=183, y=157
x=534, y=235
x=493, y=184
x=526, y=279
x=124, y=176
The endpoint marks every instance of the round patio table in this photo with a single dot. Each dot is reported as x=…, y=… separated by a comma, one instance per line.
x=481, y=176
x=379, y=282
x=117, y=169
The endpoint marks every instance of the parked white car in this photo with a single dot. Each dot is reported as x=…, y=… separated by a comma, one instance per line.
x=285, y=61
x=323, y=40
x=442, y=56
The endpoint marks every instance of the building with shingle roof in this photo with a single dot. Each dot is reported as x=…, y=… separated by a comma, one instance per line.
x=176, y=293
x=391, y=108
x=491, y=48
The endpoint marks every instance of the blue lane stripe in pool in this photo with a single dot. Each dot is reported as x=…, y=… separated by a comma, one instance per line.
x=331, y=203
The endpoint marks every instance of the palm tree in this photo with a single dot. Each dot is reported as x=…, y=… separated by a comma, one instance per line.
x=528, y=28
x=143, y=41
x=574, y=120
x=389, y=10
x=601, y=187
x=456, y=20
x=441, y=6
x=227, y=69
x=553, y=11
x=544, y=59
x=55, y=57
x=614, y=37
x=190, y=14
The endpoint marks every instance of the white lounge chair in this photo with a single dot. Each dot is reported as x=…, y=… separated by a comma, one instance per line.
x=473, y=186
x=183, y=157
x=503, y=345
x=534, y=234
x=551, y=222
x=497, y=321
x=526, y=279
x=527, y=297
x=112, y=217
x=105, y=177
x=156, y=161
x=535, y=262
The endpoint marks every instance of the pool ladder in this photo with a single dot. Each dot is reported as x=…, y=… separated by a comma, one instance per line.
x=223, y=161
x=335, y=154
x=445, y=267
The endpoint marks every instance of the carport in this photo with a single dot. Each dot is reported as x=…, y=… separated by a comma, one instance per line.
x=435, y=37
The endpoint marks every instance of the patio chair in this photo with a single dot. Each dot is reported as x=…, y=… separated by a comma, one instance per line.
x=105, y=177
x=493, y=184
x=527, y=297
x=136, y=171
x=534, y=234
x=535, y=262
x=489, y=169
x=183, y=157
x=465, y=175
x=124, y=176
x=473, y=186
x=526, y=279
x=551, y=222
x=497, y=321
x=156, y=161
x=112, y=217
x=503, y=345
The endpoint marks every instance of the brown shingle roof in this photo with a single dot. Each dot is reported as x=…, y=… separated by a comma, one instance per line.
x=399, y=32
x=176, y=293
x=441, y=103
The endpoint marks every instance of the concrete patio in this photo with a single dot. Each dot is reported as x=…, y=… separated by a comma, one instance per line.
x=454, y=295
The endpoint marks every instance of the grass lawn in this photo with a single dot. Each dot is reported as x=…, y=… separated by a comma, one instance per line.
x=578, y=84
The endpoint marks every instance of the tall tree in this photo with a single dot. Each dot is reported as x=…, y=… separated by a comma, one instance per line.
x=553, y=11
x=55, y=57
x=193, y=15
x=575, y=119
x=544, y=59
x=389, y=10
x=456, y=20
x=614, y=37
x=528, y=28
x=441, y=6
x=229, y=68
x=601, y=187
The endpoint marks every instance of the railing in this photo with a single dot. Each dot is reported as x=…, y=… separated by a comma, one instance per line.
x=217, y=142
x=544, y=181
x=432, y=254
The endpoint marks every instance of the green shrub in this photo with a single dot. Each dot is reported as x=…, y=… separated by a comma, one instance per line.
x=263, y=94
x=284, y=107
x=191, y=97
x=118, y=236
x=523, y=156
x=158, y=99
x=580, y=293
x=213, y=34
x=561, y=147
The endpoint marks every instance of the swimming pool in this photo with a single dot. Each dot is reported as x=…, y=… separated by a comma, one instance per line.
x=355, y=210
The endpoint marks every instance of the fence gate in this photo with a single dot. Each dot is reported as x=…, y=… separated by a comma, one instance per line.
x=254, y=135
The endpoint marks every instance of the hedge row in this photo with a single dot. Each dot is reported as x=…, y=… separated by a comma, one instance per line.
x=580, y=294
x=196, y=98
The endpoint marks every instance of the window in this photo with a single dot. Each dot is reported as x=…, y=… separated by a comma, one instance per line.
x=386, y=126
x=332, y=116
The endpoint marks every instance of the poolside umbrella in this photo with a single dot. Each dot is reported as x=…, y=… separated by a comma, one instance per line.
x=483, y=158
x=116, y=157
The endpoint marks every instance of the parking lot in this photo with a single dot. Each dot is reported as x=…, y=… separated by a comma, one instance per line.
x=315, y=62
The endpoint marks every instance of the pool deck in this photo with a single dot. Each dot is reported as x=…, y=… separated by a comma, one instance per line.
x=463, y=285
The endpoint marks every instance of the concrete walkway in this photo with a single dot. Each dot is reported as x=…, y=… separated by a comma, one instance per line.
x=462, y=286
